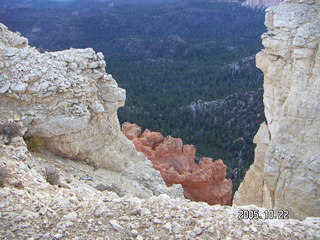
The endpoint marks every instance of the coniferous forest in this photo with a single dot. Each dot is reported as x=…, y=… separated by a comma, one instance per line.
x=188, y=66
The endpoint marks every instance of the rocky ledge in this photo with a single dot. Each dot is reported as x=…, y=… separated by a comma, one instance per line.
x=67, y=101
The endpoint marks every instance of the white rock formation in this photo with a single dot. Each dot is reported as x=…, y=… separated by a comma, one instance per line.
x=68, y=100
x=286, y=170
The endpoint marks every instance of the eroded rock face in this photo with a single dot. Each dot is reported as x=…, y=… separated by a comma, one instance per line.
x=286, y=170
x=201, y=182
x=68, y=100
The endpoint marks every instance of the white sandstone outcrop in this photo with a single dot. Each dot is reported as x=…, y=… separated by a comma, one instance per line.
x=68, y=100
x=286, y=170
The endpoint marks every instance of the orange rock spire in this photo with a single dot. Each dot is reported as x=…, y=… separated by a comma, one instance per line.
x=201, y=182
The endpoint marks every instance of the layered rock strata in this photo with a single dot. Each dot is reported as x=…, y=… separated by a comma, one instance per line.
x=68, y=100
x=286, y=170
x=205, y=181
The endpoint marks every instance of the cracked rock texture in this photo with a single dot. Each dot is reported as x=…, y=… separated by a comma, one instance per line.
x=205, y=181
x=68, y=100
x=286, y=170
x=32, y=208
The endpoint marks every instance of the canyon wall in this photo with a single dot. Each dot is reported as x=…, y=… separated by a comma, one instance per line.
x=286, y=170
x=68, y=101
x=204, y=182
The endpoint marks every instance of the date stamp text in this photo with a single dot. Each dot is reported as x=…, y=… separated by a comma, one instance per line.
x=266, y=214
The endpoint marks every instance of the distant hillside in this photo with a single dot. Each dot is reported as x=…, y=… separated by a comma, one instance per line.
x=261, y=3
x=9, y=4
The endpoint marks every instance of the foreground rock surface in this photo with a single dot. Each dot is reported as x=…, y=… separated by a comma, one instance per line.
x=201, y=182
x=32, y=208
x=286, y=170
x=68, y=101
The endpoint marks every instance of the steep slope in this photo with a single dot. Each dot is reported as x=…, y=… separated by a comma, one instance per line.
x=68, y=101
x=286, y=170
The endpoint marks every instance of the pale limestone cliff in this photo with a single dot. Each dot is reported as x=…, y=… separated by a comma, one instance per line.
x=286, y=170
x=68, y=100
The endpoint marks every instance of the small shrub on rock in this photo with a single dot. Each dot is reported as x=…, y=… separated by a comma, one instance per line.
x=52, y=176
x=3, y=177
x=9, y=131
x=18, y=185
x=34, y=143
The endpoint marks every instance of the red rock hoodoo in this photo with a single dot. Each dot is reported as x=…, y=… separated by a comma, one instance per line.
x=205, y=181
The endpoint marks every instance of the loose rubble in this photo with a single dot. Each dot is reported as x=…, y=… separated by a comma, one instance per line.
x=40, y=210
